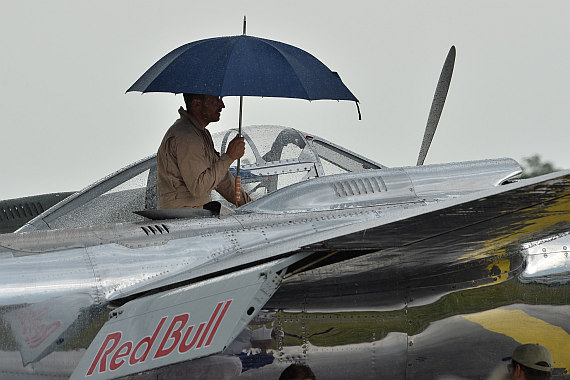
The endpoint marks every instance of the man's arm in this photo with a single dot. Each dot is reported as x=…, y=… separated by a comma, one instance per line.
x=200, y=176
x=226, y=188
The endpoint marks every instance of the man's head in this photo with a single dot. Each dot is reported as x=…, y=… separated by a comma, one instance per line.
x=297, y=372
x=531, y=361
x=205, y=108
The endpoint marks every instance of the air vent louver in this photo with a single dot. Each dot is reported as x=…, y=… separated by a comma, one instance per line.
x=360, y=186
x=22, y=210
x=157, y=229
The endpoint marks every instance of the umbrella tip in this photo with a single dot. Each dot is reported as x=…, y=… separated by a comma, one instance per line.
x=244, y=22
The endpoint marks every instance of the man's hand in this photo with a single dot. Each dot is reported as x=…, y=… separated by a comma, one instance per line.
x=236, y=148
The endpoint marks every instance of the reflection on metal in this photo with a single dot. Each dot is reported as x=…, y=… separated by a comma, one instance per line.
x=525, y=328
x=499, y=269
x=42, y=327
x=552, y=214
x=387, y=270
x=182, y=324
x=417, y=342
x=428, y=184
x=309, y=265
x=547, y=262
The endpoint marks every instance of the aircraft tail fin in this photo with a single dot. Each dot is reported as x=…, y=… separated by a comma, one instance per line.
x=181, y=324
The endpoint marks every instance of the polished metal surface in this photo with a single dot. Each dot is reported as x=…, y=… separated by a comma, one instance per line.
x=547, y=261
x=388, y=186
x=400, y=267
x=136, y=337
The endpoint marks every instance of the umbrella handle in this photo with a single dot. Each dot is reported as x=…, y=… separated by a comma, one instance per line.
x=238, y=190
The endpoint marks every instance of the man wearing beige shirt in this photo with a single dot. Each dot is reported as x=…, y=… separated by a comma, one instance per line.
x=189, y=167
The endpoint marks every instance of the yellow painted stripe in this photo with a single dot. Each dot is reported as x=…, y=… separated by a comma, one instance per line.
x=556, y=212
x=526, y=329
x=504, y=266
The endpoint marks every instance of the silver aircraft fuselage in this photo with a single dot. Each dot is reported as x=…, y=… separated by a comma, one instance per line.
x=337, y=260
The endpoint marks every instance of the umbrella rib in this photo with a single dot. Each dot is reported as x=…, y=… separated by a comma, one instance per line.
x=232, y=42
x=292, y=68
x=308, y=97
x=281, y=54
x=261, y=67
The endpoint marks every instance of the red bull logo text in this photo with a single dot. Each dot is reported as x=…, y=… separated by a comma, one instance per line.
x=179, y=336
x=35, y=326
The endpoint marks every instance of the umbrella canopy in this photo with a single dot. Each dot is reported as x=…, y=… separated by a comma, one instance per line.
x=243, y=66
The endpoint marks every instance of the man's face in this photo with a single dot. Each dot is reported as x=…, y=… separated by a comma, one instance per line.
x=211, y=108
x=514, y=371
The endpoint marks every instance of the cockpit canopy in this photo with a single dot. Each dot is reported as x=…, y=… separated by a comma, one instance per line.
x=275, y=157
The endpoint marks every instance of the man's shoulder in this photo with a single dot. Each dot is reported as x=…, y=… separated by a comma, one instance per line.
x=182, y=137
x=181, y=128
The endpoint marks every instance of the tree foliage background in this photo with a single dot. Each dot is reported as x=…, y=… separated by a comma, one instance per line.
x=534, y=166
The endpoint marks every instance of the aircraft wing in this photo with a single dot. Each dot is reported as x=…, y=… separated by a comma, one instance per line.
x=122, y=265
x=514, y=218
x=440, y=234
x=463, y=228
x=509, y=214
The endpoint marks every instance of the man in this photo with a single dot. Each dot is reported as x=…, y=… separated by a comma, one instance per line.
x=530, y=362
x=189, y=167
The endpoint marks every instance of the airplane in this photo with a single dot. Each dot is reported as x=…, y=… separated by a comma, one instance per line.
x=339, y=262
x=16, y=212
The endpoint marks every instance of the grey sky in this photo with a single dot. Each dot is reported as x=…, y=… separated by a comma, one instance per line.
x=66, y=120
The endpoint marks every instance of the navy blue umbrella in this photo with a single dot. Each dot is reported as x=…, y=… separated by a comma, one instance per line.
x=243, y=66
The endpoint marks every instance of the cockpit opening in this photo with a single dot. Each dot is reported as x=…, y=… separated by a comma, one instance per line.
x=275, y=157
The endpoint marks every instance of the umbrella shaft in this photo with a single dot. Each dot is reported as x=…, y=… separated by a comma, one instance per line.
x=240, y=113
x=239, y=130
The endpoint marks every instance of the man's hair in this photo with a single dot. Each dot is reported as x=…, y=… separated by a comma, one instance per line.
x=189, y=97
x=534, y=374
x=297, y=372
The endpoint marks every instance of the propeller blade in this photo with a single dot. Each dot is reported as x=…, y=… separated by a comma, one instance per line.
x=437, y=104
